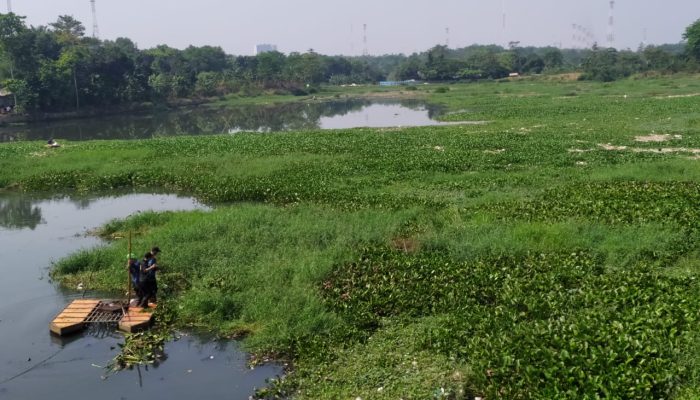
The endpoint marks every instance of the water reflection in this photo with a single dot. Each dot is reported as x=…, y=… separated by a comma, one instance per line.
x=37, y=365
x=224, y=120
x=17, y=212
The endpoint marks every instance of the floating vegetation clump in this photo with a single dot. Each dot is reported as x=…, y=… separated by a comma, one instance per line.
x=142, y=348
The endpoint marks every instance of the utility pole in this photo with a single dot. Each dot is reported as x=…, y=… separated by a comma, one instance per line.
x=95, y=28
x=365, y=52
x=352, y=39
x=447, y=37
x=9, y=6
x=503, y=26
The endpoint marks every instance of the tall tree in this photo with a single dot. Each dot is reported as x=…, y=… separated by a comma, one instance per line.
x=11, y=29
x=270, y=67
x=553, y=59
x=692, y=35
x=68, y=29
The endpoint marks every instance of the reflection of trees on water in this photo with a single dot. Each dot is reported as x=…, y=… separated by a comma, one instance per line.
x=19, y=212
x=203, y=120
x=285, y=117
x=23, y=211
x=434, y=110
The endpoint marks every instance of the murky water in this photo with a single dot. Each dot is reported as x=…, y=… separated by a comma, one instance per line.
x=35, y=231
x=205, y=120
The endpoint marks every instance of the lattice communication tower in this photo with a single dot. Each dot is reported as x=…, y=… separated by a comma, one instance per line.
x=611, y=25
x=95, y=28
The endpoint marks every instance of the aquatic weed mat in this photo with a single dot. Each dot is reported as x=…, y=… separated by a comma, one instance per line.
x=530, y=326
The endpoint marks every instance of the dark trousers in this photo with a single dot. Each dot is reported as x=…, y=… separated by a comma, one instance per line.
x=137, y=288
x=149, y=288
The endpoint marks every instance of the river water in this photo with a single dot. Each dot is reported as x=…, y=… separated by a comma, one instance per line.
x=209, y=120
x=36, y=230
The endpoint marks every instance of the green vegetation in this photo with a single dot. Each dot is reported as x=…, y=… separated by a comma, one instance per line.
x=55, y=68
x=551, y=252
x=143, y=348
x=692, y=35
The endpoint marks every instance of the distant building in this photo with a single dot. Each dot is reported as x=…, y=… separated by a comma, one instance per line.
x=264, y=48
x=397, y=83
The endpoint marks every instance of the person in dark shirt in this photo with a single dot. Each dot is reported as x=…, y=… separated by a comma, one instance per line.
x=150, y=283
x=145, y=284
x=134, y=267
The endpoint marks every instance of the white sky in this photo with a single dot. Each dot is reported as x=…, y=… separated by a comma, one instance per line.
x=393, y=26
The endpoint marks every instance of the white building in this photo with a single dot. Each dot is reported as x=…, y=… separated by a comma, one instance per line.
x=264, y=48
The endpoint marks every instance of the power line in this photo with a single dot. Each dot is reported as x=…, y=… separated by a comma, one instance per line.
x=582, y=37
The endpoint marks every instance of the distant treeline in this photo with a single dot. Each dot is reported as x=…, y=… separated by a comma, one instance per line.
x=57, y=68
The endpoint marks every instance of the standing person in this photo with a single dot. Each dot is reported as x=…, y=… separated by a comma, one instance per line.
x=146, y=286
x=134, y=267
x=149, y=272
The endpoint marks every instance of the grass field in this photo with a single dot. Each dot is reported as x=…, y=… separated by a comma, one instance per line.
x=549, y=253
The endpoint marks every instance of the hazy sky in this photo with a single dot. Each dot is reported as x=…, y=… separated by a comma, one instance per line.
x=393, y=26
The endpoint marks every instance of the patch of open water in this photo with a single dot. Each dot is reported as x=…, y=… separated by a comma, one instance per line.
x=208, y=120
x=36, y=230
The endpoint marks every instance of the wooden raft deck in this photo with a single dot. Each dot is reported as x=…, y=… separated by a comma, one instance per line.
x=75, y=317
x=136, y=319
x=72, y=318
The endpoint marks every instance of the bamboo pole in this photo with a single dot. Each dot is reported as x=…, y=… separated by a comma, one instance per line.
x=128, y=275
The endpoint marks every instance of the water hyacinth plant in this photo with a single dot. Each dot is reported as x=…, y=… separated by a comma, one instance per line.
x=548, y=253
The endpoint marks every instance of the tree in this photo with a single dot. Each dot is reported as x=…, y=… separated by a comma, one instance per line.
x=487, y=62
x=692, y=35
x=11, y=29
x=160, y=85
x=305, y=68
x=69, y=32
x=205, y=59
x=207, y=83
x=409, y=69
x=24, y=96
x=71, y=59
x=609, y=64
x=533, y=64
x=658, y=59
x=441, y=65
x=270, y=67
x=68, y=29
x=553, y=59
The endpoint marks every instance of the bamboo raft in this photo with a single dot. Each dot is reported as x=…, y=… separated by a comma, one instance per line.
x=81, y=313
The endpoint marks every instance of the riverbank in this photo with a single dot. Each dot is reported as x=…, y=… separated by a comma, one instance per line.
x=262, y=98
x=548, y=254
x=8, y=119
x=37, y=229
